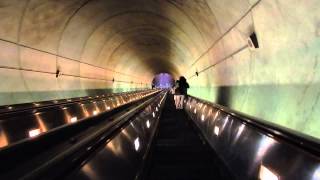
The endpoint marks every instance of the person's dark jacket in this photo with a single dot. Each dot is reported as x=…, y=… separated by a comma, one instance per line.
x=183, y=88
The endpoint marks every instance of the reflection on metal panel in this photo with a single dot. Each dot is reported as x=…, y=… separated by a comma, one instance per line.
x=34, y=132
x=122, y=156
x=248, y=151
x=137, y=144
x=316, y=174
x=267, y=174
x=36, y=119
x=3, y=139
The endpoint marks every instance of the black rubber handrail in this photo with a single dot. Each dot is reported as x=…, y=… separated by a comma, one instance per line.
x=305, y=142
x=57, y=102
x=144, y=167
x=65, y=102
x=81, y=121
x=118, y=123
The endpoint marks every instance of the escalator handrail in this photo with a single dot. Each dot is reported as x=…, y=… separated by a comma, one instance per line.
x=305, y=142
x=64, y=103
x=141, y=173
x=54, y=130
x=57, y=102
x=118, y=123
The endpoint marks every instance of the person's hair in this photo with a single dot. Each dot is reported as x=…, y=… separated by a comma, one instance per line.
x=182, y=79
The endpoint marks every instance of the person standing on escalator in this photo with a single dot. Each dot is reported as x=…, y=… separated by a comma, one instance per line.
x=183, y=92
x=176, y=93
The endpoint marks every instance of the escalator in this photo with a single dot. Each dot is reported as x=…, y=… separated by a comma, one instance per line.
x=51, y=153
x=179, y=152
x=151, y=140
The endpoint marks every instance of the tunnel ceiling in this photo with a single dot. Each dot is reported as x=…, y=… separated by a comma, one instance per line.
x=141, y=36
x=133, y=37
x=128, y=40
x=94, y=43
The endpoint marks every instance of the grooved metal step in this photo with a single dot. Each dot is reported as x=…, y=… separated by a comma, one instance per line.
x=178, y=151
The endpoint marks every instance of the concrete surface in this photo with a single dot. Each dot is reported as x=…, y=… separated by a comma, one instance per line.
x=92, y=42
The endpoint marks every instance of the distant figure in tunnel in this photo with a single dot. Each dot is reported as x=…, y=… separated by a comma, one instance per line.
x=181, y=92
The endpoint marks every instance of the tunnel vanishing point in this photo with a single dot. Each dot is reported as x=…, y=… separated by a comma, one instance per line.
x=259, y=57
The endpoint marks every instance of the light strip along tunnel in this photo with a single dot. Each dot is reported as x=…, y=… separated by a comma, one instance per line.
x=76, y=98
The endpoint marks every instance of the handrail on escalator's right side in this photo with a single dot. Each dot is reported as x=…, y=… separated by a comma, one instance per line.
x=303, y=141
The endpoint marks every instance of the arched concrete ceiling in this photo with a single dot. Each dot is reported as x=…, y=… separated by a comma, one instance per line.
x=93, y=42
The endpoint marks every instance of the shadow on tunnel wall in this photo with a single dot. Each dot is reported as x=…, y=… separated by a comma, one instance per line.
x=224, y=95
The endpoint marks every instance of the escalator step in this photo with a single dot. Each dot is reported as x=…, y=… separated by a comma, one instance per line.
x=174, y=172
x=179, y=153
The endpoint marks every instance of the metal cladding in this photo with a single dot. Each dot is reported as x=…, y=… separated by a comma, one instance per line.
x=250, y=151
x=123, y=156
x=22, y=123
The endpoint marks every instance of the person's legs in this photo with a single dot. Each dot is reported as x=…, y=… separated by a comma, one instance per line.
x=175, y=97
x=181, y=102
x=177, y=101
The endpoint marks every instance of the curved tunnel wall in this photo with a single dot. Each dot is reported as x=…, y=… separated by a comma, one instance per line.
x=93, y=42
x=279, y=81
